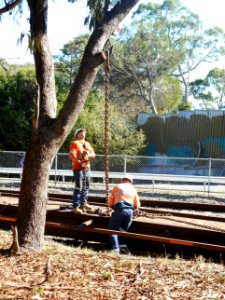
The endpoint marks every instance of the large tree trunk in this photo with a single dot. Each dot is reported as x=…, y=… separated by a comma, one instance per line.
x=50, y=132
x=34, y=196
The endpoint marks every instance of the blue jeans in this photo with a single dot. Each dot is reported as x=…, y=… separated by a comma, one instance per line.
x=80, y=194
x=120, y=220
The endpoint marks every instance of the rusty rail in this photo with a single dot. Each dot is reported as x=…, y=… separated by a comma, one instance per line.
x=94, y=227
x=55, y=229
x=70, y=225
x=100, y=201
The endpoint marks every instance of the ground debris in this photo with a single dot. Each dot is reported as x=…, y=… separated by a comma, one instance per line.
x=62, y=272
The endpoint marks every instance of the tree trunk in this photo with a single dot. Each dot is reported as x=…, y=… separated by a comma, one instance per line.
x=152, y=105
x=34, y=196
x=186, y=85
x=50, y=132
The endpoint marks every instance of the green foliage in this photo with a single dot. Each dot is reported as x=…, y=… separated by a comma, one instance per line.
x=69, y=61
x=210, y=90
x=107, y=275
x=176, y=30
x=151, y=52
x=151, y=58
x=17, y=89
x=143, y=62
x=67, y=65
x=122, y=136
x=97, y=9
x=183, y=107
x=169, y=96
x=145, y=66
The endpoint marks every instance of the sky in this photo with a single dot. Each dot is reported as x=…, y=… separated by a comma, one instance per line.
x=66, y=22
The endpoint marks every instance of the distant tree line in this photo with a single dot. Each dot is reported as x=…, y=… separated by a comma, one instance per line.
x=17, y=94
x=151, y=64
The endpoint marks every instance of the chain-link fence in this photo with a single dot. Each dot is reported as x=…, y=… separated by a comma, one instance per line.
x=162, y=172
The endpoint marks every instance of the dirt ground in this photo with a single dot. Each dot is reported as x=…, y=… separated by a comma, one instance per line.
x=62, y=272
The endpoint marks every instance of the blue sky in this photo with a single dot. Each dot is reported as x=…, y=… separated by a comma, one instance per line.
x=66, y=21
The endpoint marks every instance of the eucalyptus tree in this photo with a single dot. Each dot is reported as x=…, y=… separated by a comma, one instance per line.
x=140, y=70
x=67, y=65
x=50, y=130
x=144, y=60
x=210, y=90
x=68, y=61
x=174, y=41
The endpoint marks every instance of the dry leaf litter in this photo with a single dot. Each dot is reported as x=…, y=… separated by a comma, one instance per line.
x=62, y=272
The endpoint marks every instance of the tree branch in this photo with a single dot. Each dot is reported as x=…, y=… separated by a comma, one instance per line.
x=93, y=57
x=9, y=6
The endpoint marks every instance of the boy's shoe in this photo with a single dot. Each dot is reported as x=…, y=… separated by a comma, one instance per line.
x=77, y=211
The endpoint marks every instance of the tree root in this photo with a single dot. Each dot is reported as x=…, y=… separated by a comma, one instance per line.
x=15, y=247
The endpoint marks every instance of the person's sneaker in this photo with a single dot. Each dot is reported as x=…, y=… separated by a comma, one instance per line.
x=77, y=211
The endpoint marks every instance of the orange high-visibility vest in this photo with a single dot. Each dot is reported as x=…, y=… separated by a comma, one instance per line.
x=76, y=153
x=124, y=192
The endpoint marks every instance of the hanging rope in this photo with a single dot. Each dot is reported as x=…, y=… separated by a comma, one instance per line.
x=107, y=75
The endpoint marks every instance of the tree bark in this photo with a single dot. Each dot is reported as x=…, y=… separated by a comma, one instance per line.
x=49, y=131
x=34, y=197
x=9, y=6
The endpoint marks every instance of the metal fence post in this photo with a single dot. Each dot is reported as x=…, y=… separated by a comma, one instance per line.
x=210, y=171
x=167, y=169
x=56, y=167
x=125, y=164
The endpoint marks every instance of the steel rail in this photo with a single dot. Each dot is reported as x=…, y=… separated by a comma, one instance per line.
x=153, y=213
x=145, y=210
x=99, y=200
x=57, y=215
x=56, y=229
x=141, y=224
x=93, y=227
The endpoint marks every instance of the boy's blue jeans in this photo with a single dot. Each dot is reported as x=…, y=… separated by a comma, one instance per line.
x=121, y=220
x=79, y=192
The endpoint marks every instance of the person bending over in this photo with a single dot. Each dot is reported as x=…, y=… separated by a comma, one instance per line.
x=124, y=199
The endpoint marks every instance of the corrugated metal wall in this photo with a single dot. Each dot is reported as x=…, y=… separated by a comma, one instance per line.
x=187, y=134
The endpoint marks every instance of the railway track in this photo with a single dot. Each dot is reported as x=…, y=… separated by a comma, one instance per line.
x=153, y=230
x=100, y=201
